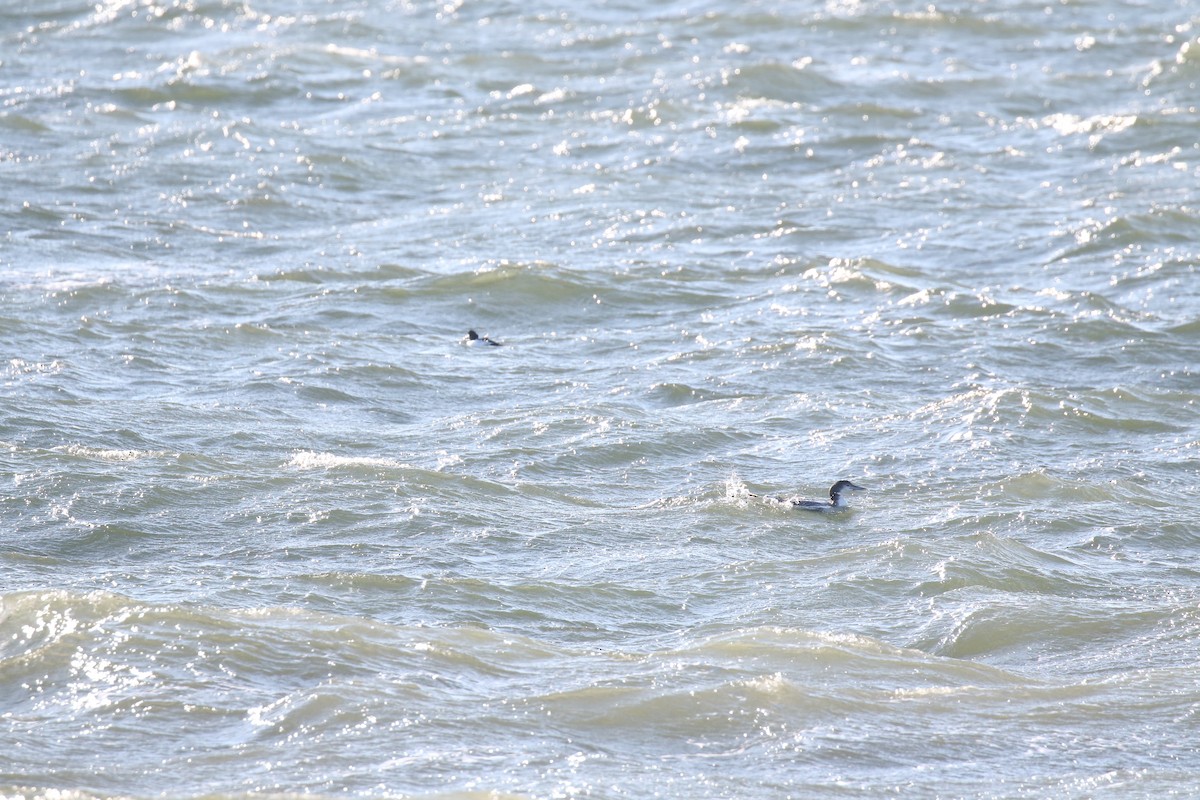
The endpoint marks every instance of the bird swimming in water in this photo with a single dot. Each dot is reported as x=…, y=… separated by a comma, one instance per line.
x=475, y=338
x=836, y=501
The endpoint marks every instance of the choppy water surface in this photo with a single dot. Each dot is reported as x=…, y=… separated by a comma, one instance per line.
x=270, y=526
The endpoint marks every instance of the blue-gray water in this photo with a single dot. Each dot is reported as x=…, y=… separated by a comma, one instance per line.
x=269, y=526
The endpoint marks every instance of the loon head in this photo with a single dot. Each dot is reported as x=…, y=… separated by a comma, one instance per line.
x=835, y=492
x=475, y=338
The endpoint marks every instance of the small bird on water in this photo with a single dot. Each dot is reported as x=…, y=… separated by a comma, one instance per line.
x=475, y=338
x=836, y=500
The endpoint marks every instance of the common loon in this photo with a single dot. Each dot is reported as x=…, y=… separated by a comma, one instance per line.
x=836, y=501
x=475, y=338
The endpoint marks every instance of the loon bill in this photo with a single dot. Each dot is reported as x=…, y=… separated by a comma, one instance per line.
x=475, y=338
x=836, y=500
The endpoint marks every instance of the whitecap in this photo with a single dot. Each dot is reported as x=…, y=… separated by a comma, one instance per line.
x=308, y=459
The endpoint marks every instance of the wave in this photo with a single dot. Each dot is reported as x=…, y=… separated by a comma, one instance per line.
x=309, y=460
x=19, y=791
x=44, y=629
x=146, y=646
x=290, y=684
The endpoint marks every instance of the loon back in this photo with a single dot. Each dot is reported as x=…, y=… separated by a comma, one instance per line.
x=813, y=505
x=473, y=338
x=836, y=500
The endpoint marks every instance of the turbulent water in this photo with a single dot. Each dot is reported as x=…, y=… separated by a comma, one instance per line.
x=269, y=525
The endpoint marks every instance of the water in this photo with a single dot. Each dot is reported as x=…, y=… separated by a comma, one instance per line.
x=270, y=526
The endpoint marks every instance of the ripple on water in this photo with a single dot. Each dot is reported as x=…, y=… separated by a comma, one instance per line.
x=293, y=525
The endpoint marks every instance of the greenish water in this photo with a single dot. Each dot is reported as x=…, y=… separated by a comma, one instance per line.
x=269, y=525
